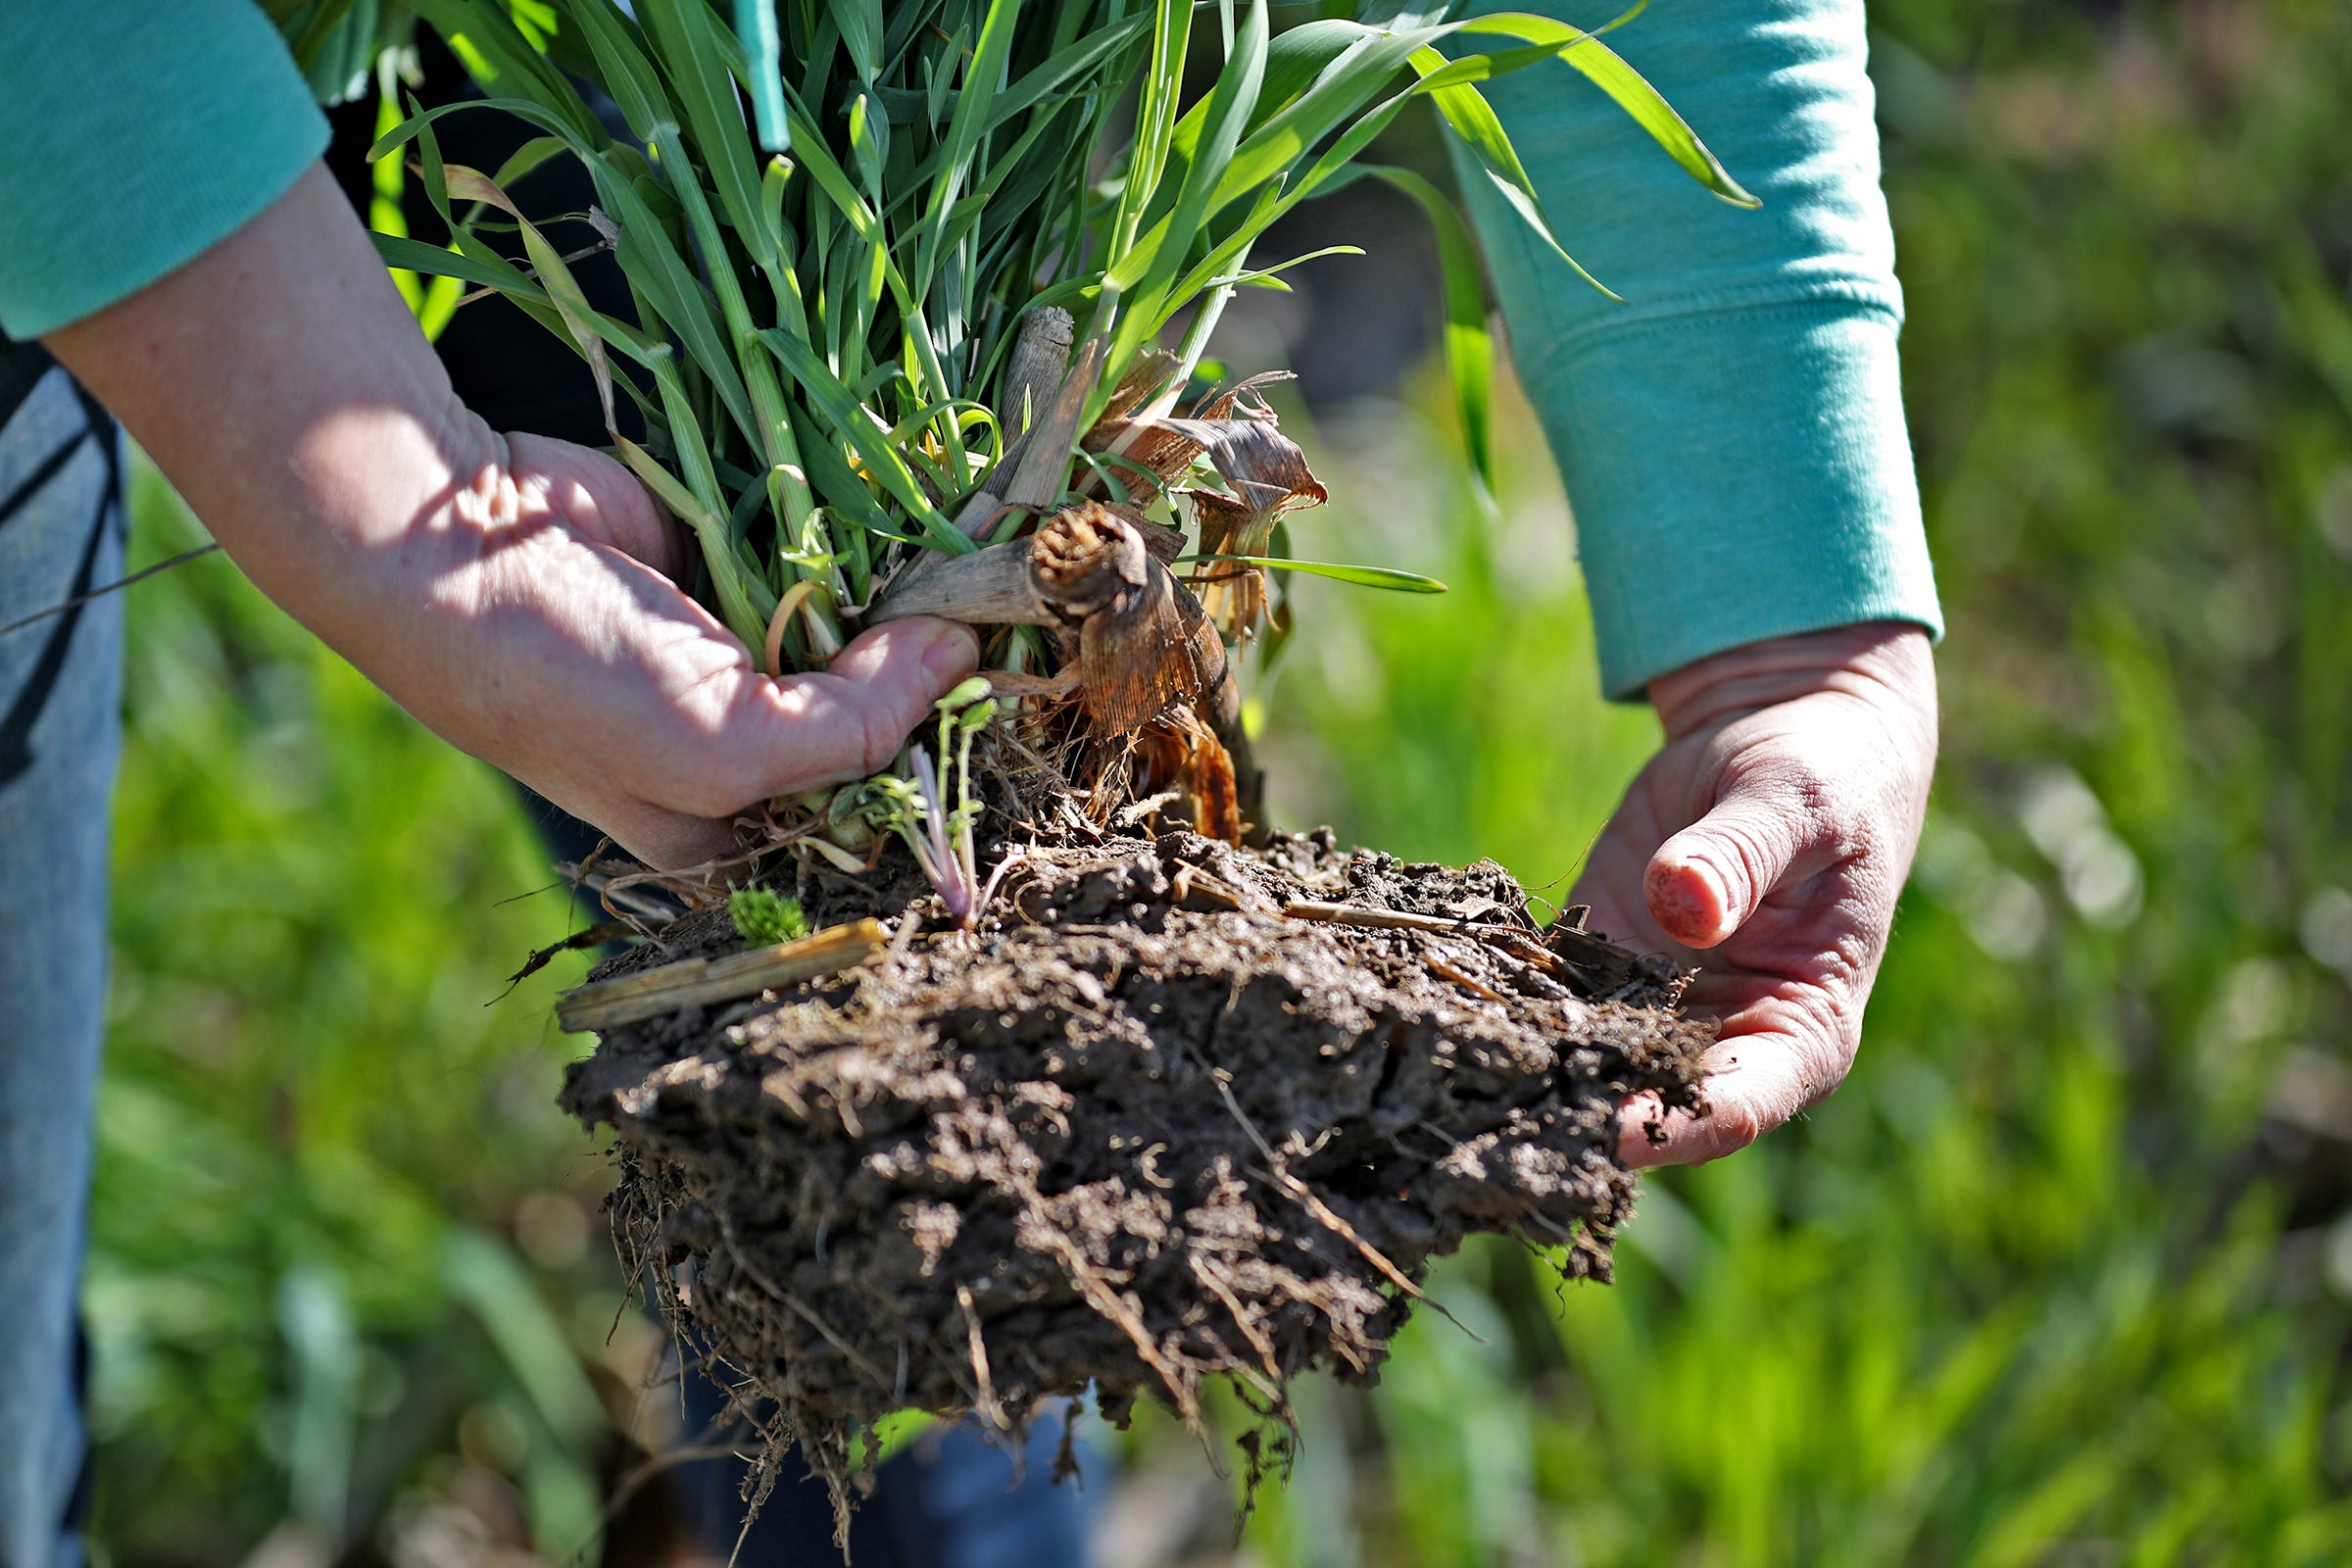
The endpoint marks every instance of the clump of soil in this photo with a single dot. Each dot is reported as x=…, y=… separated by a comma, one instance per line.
x=1140, y=1129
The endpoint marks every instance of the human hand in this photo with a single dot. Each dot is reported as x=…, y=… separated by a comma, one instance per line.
x=1765, y=845
x=519, y=595
x=558, y=647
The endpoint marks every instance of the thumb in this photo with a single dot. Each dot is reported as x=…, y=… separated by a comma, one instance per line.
x=849, y=719
x=1706, y=880
x=759, y=738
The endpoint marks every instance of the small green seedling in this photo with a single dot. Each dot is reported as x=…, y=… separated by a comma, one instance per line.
x=765, y=918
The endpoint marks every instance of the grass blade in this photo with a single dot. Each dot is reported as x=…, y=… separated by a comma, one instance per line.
x=686, y=31
x=1154, y=121
x=415, y=256
x=1387, y=578
x=506, y=63
x=1447, y=82
x=1606, y=69
x=553, y=276
x=965, y=129
x=629, y=75
x=1469, y=342
x=853, y=424
x=1155, y=261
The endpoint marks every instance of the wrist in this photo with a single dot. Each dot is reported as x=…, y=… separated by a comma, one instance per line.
x=279, y=382
x=379, y=545
x=1886, y=664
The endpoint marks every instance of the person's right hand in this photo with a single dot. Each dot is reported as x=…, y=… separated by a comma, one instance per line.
x=518, y=596
x=1765, y=845
x=563, y=651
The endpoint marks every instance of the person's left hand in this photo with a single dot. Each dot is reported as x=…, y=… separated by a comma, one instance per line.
x=1765, y=845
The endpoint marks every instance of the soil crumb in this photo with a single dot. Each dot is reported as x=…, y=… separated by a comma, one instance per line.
x=1142, y=1129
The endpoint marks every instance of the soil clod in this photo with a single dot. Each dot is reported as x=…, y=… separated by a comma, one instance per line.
x=1142, y=1128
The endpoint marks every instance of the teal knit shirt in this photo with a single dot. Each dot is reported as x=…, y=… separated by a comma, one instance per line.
x=134, y=137
x=1732, y=438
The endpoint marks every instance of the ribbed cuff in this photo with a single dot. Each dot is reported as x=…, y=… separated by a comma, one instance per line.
x=135, y=137
x=1735, y=474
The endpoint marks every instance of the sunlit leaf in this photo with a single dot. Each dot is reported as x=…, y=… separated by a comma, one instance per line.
x=1389, y=578
x=1469, y=343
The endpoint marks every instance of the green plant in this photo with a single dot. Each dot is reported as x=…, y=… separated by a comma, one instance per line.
x=764, y=917
x=836, y=349
x=937, y=817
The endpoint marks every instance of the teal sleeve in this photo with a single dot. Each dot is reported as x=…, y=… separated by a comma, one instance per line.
x=1731, y=437
x=135, y=137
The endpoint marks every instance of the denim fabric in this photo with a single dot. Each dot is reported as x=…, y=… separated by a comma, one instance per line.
x=60, y=534
x=950, y=1498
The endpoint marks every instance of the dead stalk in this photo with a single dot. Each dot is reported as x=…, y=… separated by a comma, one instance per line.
x=990, y=1410
x=693, y=982
x=1144, y=645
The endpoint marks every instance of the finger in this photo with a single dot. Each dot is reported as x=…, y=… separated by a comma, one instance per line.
x=650, y=835
x=600, y=499
x=1705, y=881
x=1756, y=1087
x=848, y=721
x=803, y=732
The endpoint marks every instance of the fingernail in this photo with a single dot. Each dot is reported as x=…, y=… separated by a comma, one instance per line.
x=1716, y=900
x=1688, y=898
x=952, y=654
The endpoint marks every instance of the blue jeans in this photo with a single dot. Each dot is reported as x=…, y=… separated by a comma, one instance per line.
x=60, y=534
x=947, y=1502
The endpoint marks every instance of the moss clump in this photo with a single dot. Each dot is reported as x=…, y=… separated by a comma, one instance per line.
x=765, y=918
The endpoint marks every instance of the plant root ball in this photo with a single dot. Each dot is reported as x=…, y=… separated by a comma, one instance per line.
x=1140, y=1130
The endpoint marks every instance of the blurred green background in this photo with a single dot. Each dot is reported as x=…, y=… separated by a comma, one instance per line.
x=2060, y=1276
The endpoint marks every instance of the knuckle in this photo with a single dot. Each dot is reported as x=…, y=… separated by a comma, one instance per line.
x=1825, y=1035
x=1811, y=802
x=882, y=729
x=1805, y=789
x=1759, y=857
x=1844, y=972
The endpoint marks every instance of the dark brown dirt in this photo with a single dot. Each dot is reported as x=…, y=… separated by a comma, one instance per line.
x=1140, y=1130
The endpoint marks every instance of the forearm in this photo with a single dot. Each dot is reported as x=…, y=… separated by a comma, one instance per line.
x=1733, y=437
x=281, y=385
x=1872, y=662
x=518, y=595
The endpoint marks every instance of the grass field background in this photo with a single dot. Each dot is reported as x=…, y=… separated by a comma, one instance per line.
x=2061, y=1275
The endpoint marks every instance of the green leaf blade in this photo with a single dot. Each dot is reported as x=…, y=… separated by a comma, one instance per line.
x=1469, y=341
x=1606, y=69
x=1389, y=579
